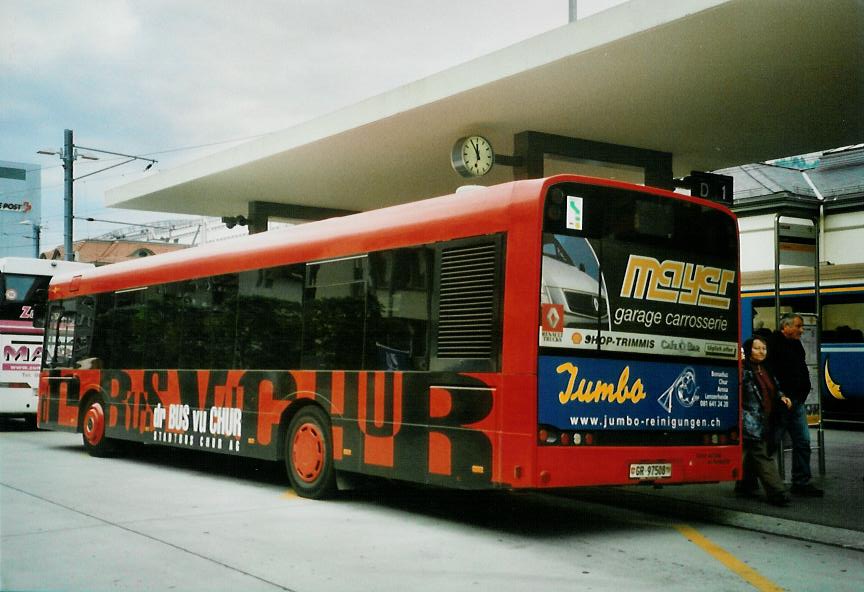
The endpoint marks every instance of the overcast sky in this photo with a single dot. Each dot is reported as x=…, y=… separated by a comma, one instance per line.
x=156, y=77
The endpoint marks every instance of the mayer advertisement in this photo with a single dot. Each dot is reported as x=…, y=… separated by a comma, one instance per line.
x=596, y=394
x=636, y=298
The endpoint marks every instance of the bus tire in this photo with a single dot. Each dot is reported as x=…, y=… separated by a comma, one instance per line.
x=309, y=454
x=93, y=429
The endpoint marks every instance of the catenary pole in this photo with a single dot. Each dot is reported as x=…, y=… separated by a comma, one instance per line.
x=68, y=177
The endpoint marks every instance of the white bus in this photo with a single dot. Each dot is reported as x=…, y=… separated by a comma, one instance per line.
x=20, y=342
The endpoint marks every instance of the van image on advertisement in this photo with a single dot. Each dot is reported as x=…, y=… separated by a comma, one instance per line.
x=571, y=284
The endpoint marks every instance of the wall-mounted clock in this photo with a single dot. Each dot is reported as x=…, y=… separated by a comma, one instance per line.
x=472, y=156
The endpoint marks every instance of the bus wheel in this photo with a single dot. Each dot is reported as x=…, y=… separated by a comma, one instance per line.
x=93, y=430
x=309, y=454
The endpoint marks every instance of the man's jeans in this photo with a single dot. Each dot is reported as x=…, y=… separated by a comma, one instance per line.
x=794, y=421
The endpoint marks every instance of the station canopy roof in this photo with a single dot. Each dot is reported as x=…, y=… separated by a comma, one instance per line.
x=716, y=83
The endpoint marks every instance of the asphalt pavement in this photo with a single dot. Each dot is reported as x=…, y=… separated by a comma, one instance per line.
x=159, y=518
x=836, y=519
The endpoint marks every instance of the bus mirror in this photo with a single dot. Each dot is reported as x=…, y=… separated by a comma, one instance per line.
x=39, y=315
x=40, y=307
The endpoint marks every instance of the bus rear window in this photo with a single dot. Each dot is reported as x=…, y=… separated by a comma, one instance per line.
x=22, y=288
x=620, y=215
x=631, y=271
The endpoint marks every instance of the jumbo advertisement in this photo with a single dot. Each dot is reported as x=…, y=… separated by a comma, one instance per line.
x=602, y=394
x=603, y=294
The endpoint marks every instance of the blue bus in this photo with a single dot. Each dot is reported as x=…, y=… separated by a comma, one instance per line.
x=842, y=314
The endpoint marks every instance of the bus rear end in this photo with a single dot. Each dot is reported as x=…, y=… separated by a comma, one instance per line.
x=20, y=341
x=637, y=373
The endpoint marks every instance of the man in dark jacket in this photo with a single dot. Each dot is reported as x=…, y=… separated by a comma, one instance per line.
x=787, y=361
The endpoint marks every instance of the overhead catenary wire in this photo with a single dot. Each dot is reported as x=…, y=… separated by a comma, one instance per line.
x=12, y=193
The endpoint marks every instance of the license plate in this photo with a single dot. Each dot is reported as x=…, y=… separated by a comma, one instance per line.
x=651, y=471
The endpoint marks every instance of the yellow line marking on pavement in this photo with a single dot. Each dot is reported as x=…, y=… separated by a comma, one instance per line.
x=744, y=571
x=290, y=494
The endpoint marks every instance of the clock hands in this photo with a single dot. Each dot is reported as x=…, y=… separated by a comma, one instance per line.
x=476, y=145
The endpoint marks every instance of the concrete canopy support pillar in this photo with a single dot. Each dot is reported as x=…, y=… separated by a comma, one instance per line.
x=530, y=148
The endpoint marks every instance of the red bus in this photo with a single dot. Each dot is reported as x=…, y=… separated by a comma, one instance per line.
x=538, y=334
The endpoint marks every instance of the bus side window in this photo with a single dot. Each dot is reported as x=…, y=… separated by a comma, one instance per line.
x=270, y=318
x=397, y=332
x=207, y=308
x=84, y=318
x=222, y=322
x=334, y=314
x=129, y=316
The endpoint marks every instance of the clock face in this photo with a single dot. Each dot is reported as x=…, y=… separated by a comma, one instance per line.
x=473, y=156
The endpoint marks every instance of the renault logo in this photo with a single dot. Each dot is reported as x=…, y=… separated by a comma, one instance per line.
x=552, y=317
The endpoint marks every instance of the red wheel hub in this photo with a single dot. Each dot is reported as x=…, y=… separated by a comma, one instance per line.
x=307, y=452
x=94, y=424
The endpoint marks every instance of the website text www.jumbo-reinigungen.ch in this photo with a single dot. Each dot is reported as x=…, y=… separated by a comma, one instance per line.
x=644, y=422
